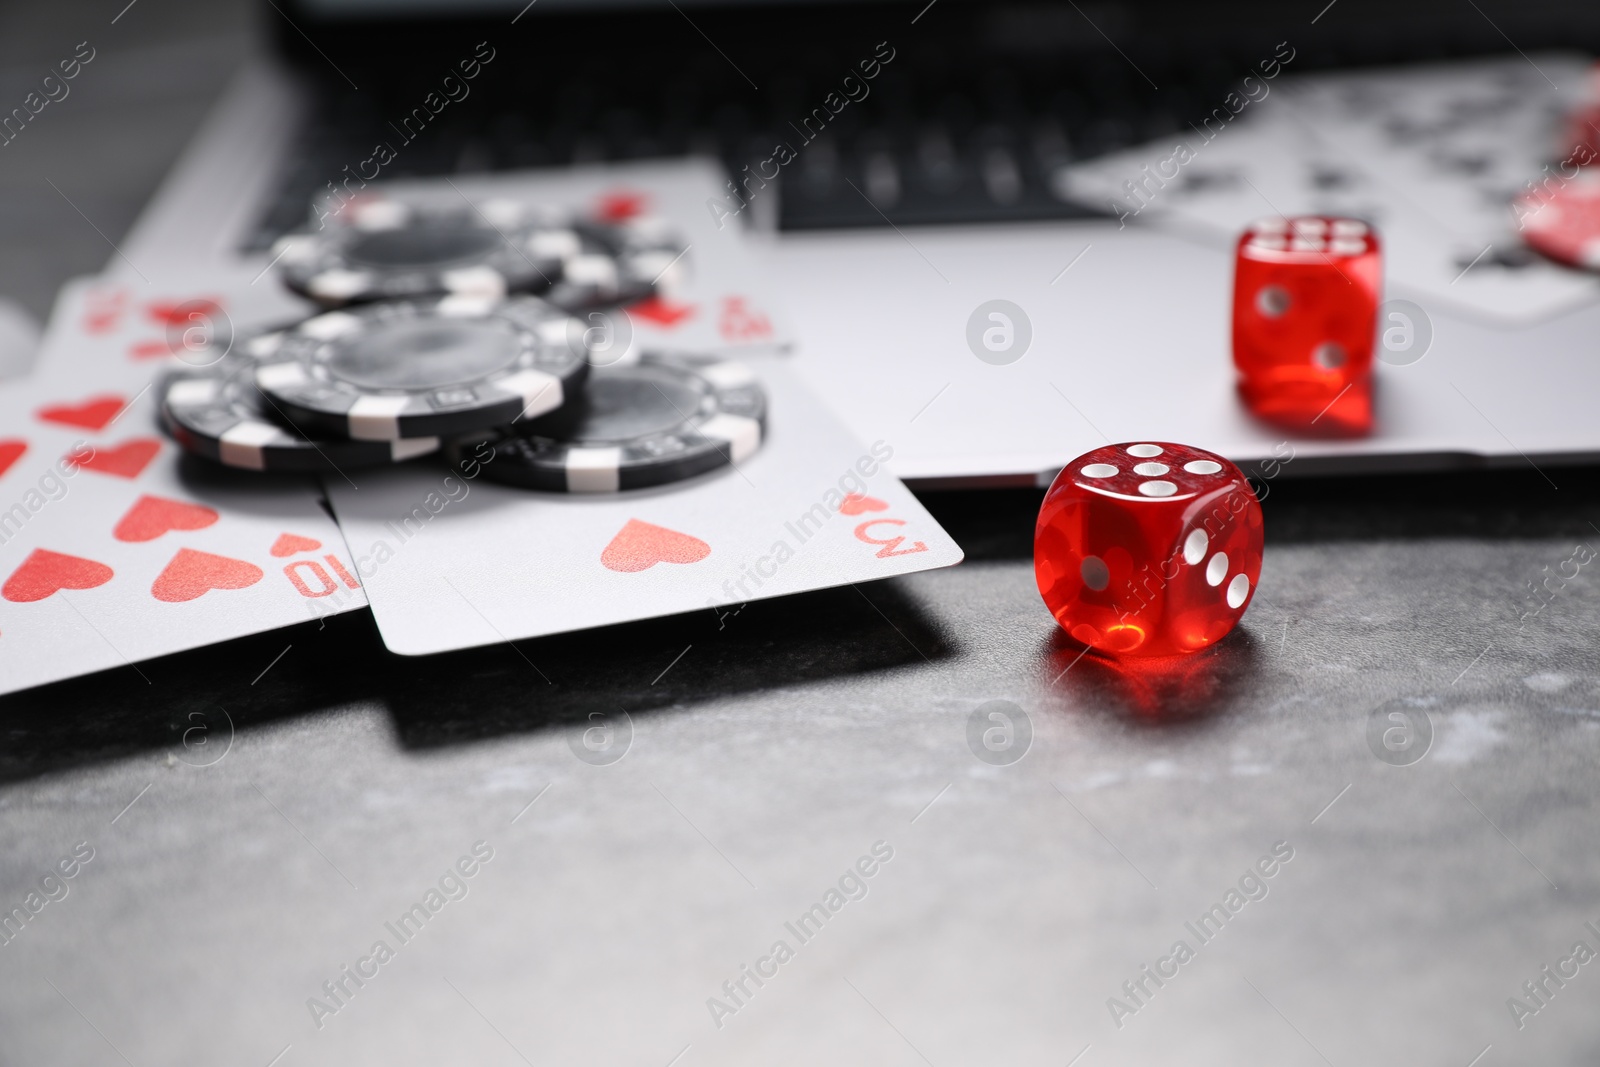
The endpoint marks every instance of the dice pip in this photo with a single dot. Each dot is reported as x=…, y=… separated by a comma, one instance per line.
x=1148, y=548
x=1305, y=302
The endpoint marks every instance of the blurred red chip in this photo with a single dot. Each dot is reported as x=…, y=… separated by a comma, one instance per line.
x=1563, y=223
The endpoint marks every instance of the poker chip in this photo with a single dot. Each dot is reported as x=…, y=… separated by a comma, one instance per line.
x=648, y=423
x=218, y=413
x=1564, y=223
x=385, y=249
x=617, y=263
x=423, y=368
x=381, y=248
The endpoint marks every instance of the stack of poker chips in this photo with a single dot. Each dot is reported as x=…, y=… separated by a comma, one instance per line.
x=386, y=249
x=432, y=340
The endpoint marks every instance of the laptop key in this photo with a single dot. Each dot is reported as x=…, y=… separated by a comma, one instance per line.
x=1001, y=178
x=936, y=156
x=883, y=179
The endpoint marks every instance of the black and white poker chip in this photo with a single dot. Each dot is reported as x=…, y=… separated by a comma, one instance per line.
x=618, y=263
x=423, y=368
x=641, y=424
x=387, y=249
x=381, y=248
x=218, y=413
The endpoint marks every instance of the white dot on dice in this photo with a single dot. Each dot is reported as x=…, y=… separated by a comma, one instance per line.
x=1273, y=301
x=1329, y=356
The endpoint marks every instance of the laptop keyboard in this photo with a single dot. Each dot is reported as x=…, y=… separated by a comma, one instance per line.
x=919, y=150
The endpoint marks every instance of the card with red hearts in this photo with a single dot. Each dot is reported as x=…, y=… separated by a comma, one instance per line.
x=121, y=333
x=714, y=298
x=114, y=551
x=451, y=560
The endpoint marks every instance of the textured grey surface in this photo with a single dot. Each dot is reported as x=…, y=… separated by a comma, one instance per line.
x=779, y=748
x=342, y=782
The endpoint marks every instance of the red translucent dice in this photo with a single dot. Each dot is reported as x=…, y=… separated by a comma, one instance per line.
x=1305, y=302
x=1148, y=548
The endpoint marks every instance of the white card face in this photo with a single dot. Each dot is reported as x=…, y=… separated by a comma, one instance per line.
x=455, y=562
x=124, y=334
x=112, y=552
x=714, y=299
x=1431, y=155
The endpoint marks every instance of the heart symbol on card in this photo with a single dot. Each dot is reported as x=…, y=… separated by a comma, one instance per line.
x=127, y=460
x=44, y=572
x=856, y=504
x=741, y=322
x=150, y=350
x=103, y=309
x=152, y=516
x=182, y=312
x=11, y=450
x=288, y=544
x=193, y=573
x=661, y=312
x=95, y=413
x=639, y=546
x=620, y=205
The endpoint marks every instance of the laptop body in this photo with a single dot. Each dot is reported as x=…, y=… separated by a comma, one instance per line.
x=916, y=189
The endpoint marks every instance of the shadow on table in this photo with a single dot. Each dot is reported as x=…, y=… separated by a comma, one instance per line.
x=640, y=667
x=1450, y=503
x=160, y=705
x=1163, y=691
x=179, y=704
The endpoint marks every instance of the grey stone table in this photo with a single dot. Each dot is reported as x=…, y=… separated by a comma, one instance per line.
x=552, y=880
x=254, y=835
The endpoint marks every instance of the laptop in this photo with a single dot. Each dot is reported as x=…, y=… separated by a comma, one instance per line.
x=897, y=165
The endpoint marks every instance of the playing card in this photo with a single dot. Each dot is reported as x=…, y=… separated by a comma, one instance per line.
x=115, y=549
x=123, y=332
x=715, y=298
x=1432, y=156
x=1450, y=145
x=451, y=560
x=19, y=339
